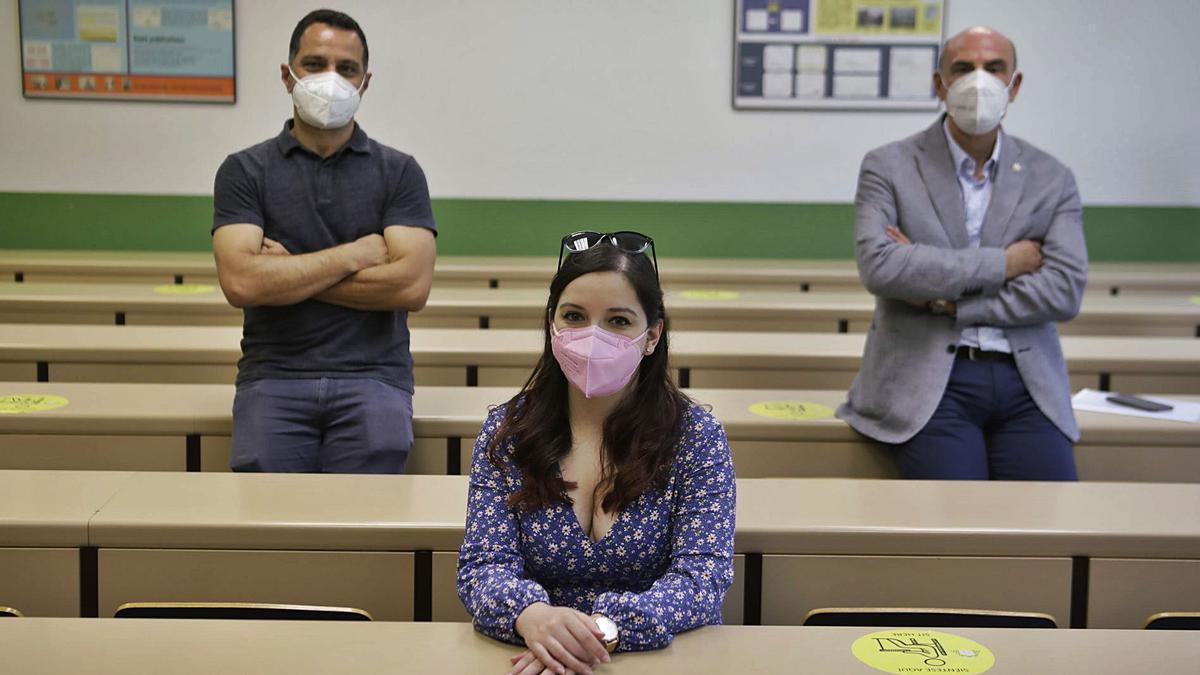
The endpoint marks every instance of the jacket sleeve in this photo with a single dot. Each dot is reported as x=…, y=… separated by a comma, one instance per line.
x=491, y=570
x=917, y=271
x=691, y=591
x=1052, y=293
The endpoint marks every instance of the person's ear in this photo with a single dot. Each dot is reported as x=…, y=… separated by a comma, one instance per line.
x=1016, y=86
x=366, y=83
x=285, y=76
x=939, y=87
x=652, y=337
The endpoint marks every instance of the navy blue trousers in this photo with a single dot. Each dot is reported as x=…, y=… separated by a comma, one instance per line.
x=987, y=427
x=324, y=425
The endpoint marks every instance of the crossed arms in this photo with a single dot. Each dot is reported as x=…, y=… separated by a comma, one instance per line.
x=392, y=271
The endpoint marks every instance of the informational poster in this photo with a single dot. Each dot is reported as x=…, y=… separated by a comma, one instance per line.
x=848, y=54
x=163, y=50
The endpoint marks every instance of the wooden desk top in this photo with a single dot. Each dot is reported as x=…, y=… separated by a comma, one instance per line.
x=41, y=510
x=521, y=348
x=707, y=272
x=1173, y=308
x=182, y=647
x=785, y=516
x=155, y=409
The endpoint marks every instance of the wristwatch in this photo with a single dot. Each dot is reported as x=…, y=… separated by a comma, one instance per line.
x=609, y=628
x=939, y=307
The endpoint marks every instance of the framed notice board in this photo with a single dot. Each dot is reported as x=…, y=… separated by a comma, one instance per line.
x=159, y=50
x=836, y=54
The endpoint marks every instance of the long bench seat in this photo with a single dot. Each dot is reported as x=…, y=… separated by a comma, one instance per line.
x=1164, y=315
x=180, y=426
x=388, y=544
x=503, y=357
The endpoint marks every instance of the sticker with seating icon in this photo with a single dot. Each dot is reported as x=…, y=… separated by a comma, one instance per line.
x=184, y=289
x=922, y=651
x=15, y=404
x=709, y=294
x=791, y=410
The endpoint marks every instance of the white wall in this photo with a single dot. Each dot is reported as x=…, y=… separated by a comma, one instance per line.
x=628, y=99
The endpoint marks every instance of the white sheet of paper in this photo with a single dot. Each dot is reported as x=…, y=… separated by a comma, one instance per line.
x=778, y=58
x=855, y=86
x=756, y=19
x=1090, y=400
x=791, y=20
x=810, y=85
x=856, y=60
x=810, y=58
x=777, y=85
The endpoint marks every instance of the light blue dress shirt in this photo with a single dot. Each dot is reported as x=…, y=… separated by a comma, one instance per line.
x=976, y=196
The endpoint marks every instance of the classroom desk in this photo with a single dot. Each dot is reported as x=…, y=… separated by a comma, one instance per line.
x=122, y=646
x=801, y=543
x=1167, y=315
x=504, y=357
x=516, y=272
x=175, y=427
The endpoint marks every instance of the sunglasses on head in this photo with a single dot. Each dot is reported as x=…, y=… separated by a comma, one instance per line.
x=629, y=242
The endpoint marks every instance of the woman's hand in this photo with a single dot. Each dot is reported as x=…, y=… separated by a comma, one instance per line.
x=561, y=640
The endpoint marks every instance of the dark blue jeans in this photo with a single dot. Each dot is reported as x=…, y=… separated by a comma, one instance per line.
x=324, y=425
x=987, y=427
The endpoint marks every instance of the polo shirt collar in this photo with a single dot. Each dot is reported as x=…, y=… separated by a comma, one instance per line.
x=287, y=143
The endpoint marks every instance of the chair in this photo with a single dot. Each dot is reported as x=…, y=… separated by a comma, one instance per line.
x=238, y=610
x=1173, y=621
x=909, y=617
x=9, y=611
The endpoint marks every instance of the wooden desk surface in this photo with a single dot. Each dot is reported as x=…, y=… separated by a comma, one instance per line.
x=787, y=516
x=149, y=409
x=121, y=646
x=181, y=647
x=40, y=510
x=1184, y=277
x=1153, y=310
x=521, y=348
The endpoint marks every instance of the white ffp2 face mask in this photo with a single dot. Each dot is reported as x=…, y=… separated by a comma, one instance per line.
x=326, y=100
x=978, y=101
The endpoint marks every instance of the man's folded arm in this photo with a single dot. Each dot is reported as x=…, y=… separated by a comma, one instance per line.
x=913, y=271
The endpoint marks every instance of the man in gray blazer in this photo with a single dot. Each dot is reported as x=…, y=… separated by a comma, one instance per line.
x=972, y=242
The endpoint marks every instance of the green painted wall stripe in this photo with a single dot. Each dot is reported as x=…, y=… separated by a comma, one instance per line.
x=532, y=227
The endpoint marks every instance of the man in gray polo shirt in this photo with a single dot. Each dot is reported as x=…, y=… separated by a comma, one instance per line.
x=326, y=239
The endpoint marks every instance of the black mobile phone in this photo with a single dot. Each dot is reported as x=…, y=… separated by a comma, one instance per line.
x=1139, y=403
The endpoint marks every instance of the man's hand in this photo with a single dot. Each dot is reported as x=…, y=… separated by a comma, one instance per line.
x=370, y=251
x=1022, y=257
x=272, y=247
x=899, y=237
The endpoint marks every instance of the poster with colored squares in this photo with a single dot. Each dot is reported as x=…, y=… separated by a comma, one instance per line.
x=157, y=50
x=836, y=54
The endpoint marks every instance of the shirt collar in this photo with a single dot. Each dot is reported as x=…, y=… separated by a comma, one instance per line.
x=287, y=143
x=964, y=165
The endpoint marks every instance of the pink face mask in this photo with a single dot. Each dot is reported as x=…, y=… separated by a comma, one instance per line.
x=596, y=361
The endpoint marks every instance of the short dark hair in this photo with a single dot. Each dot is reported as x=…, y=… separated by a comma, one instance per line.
x=329, y=17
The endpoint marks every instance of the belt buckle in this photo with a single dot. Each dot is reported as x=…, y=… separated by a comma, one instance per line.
x=975, y=354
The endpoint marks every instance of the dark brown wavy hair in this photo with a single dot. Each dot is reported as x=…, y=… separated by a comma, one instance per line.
x=639, y=436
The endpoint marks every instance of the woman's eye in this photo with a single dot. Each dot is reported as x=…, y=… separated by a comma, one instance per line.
x=620, y=321
x=572, y=316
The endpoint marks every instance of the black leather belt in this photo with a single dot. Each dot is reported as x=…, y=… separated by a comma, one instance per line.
x=977, y=354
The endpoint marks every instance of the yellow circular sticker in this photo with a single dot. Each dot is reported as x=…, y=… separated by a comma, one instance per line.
x=710, y=295
x=184, y=289
x=16, y=404
x=791, y=410
x=922, y=651
x=1196, y=299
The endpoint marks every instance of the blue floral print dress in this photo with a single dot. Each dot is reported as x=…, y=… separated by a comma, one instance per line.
x=662, y=569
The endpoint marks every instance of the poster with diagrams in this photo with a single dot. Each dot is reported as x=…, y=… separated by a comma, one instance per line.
x=836, y=54
x=163, y=50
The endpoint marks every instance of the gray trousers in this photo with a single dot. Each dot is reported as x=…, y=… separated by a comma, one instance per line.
x=323, y=425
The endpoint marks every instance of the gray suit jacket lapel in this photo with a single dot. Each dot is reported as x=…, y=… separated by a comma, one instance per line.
x=937, y=170
x=1006, y=194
